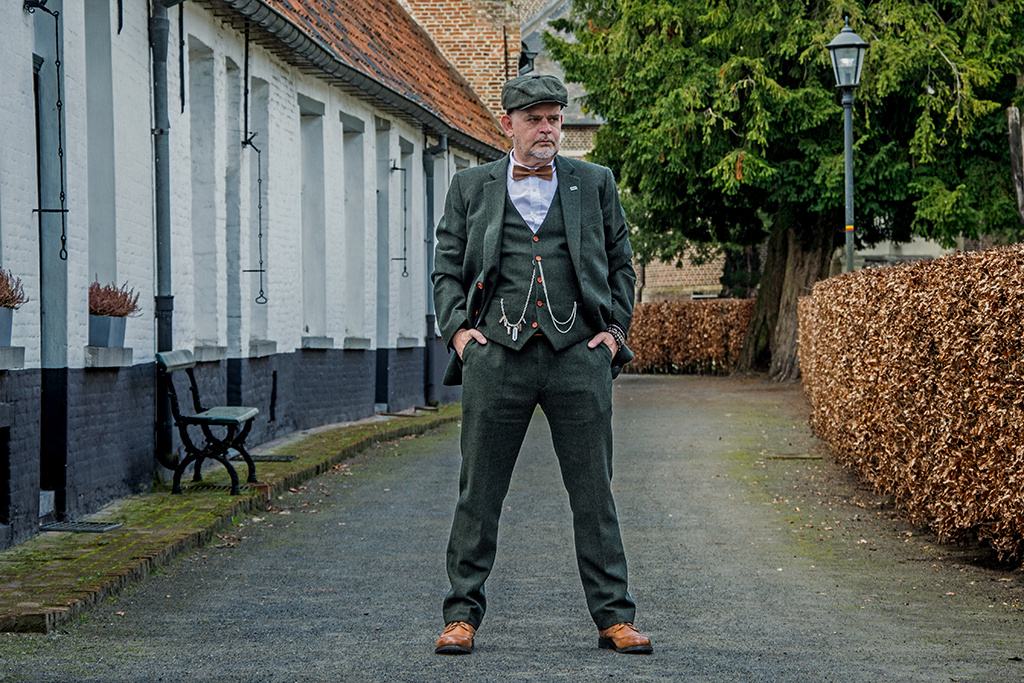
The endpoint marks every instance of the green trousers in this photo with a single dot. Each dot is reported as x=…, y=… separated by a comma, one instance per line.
x=500, y=390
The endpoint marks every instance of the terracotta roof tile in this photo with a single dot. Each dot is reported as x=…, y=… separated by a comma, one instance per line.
x=378, y=38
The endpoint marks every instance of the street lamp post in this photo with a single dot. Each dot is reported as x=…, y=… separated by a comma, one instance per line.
x=847, y=52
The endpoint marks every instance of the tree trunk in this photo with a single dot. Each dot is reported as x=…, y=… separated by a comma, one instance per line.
x=757, y=345
x=806, y=264
x=641, y=280
x=1016, y=157
x=792, y=267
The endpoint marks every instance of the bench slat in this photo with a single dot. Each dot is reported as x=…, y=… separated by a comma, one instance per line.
x=227, y=415
x=182, y=359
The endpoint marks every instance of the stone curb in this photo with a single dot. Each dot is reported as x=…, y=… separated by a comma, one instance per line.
x=36, y=618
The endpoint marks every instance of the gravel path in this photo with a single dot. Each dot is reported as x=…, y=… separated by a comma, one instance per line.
x=752, y=558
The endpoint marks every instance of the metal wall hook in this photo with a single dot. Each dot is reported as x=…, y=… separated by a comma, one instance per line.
x=31, y=6
x=247, y=142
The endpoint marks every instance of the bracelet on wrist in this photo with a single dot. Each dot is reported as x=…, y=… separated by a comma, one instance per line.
x=618, y=334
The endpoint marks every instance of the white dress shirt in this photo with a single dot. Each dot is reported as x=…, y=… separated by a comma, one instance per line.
x=531, y=196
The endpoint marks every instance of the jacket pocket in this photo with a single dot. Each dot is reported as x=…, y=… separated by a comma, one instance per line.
x=594, y=218
x=466, y=349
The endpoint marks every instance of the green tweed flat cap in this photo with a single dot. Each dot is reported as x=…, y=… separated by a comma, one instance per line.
x=525, y=91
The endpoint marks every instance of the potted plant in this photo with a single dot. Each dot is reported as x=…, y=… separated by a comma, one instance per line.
x=12, y=296
x=109, y=306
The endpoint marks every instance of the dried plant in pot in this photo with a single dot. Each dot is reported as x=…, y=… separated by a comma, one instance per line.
x=109, y=306
x=12, y=296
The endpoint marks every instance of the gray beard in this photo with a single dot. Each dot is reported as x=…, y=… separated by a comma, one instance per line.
x=545, y=154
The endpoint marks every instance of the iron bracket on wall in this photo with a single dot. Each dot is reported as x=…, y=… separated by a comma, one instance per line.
x=404, y=258
x=31, y=6
x=261, y=298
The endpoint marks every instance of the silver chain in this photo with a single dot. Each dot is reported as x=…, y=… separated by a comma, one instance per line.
x=513, y=328
x=572, y=316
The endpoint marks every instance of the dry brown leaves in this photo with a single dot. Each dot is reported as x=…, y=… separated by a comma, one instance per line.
x=118, y=302
x=12, y=291
x=689, y=336
x=914, y=374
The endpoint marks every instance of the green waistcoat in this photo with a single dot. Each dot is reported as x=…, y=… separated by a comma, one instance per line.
x=521, y=290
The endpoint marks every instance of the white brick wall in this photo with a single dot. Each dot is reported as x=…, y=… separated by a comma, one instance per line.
x=19, y=232
x=19, y=241
x=75, y=151
x=134, y=189
x=133, y=172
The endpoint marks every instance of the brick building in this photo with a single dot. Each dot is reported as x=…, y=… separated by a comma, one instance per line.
x=309, y=145
x=669, y=281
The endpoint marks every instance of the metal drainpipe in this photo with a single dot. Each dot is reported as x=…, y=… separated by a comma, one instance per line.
x=429, y=153
x=159, y=30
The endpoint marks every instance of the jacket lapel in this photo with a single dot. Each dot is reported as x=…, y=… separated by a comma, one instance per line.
x=494, y=192
x=569, y=192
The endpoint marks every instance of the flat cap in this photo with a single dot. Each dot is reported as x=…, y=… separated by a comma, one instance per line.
x=530, y=89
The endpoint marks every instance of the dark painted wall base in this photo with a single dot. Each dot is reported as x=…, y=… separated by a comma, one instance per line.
x=307, y=388
x=107, y=449
x=405, y=378
x=437, y=393
x=19, y=455
x=111, y=413
x=104, y=448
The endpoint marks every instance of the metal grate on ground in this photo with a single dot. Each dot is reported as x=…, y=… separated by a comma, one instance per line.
x=80, y=527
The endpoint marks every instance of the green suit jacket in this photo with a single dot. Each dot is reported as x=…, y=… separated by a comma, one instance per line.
x=468, y=254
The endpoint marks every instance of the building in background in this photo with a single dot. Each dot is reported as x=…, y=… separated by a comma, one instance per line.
x=310, y=145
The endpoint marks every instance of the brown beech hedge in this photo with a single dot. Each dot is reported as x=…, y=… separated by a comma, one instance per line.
x=914, y=375
x=689, y=336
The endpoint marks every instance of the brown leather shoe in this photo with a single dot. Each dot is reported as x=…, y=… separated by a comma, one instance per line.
x=625, y=639
x=457, y=639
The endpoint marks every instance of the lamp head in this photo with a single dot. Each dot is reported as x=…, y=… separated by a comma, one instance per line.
x=847, y=53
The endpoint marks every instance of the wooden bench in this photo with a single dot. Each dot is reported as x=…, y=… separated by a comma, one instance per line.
x=237, y=420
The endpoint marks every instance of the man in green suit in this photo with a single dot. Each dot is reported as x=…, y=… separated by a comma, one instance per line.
x=533, y=288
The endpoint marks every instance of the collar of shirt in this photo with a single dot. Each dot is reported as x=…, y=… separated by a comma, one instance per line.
x=531, y=196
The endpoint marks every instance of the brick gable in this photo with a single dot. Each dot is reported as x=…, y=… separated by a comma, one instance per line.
x=480, y=37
